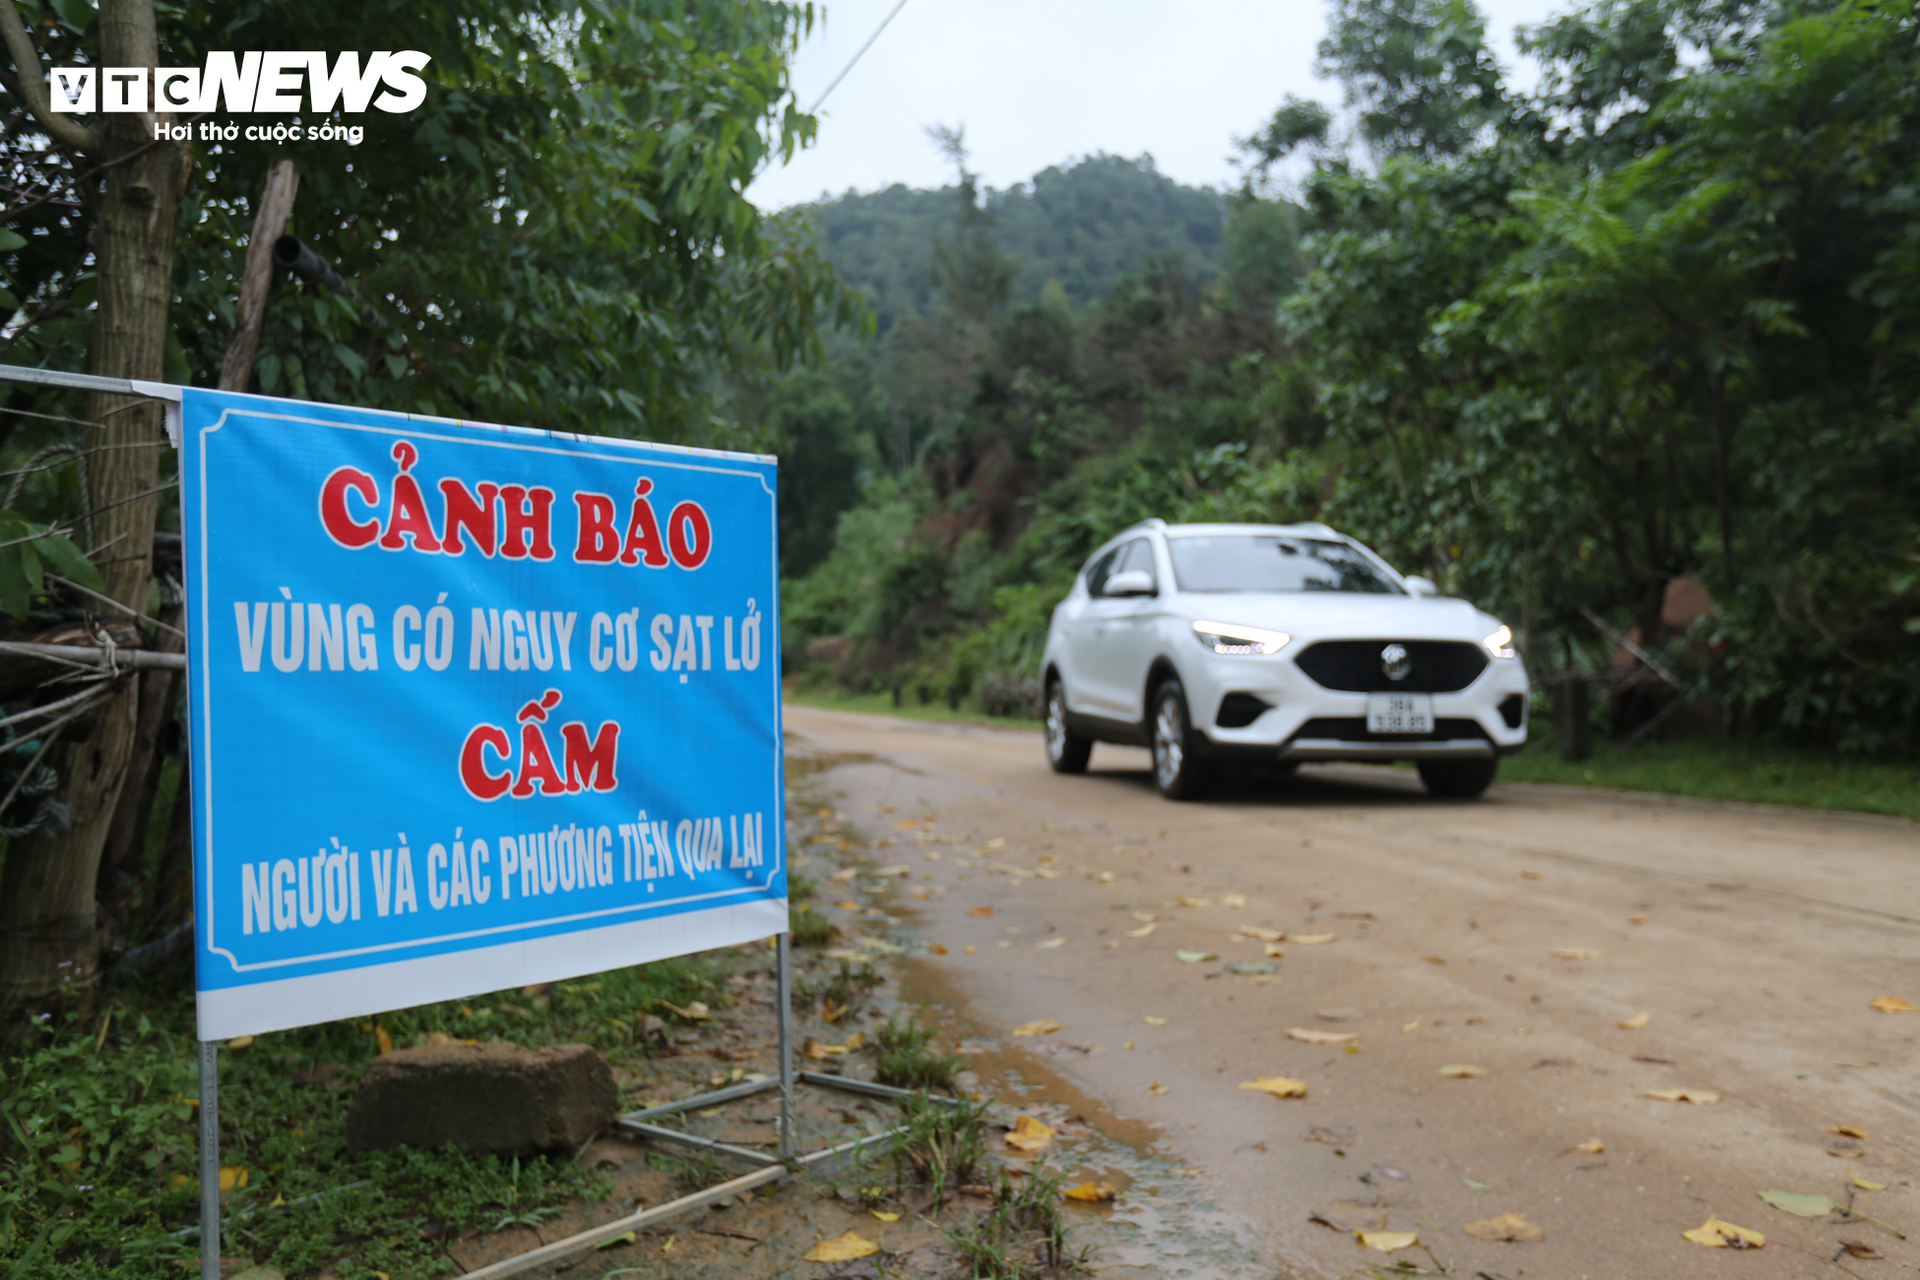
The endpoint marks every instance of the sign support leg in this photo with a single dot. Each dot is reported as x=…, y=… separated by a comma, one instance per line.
x=783, y=985
x=209, y=1160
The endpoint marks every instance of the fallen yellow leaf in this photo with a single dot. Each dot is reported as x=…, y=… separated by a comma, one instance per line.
x=905, y=824
x=1531, y=875
x=381, y=1038
x=1388, y=1241
x=1275, y=951
x=1264, y=935
x=1724, y=1235
x=1105, y=877
x=1411, y=1026
x=1892, y=1004
x=842, y=1248
x=1278, y=1086
x=1636, y=919
x=1848, y=1131
x=995, y=845
x=1592, y=1146
x=1029, y=1134
x=1153, y=1021
x=1146, y=917
x=814, y=1049
x=1093, y=1192
x=233, y=1178
x=846, y=905
x=629, y=1237
x=1306, y=1035
x=982, y=912
x=1156, y=1087
x=1863, y=1184
x=1311, y=940
x=1050, y=944
x=1462, y=1071
x=884, y=1217
x=1577, y=953
x=240, y=1042
x=1700, y=1096
x=1436, y=959
x=1144, y=931
x=1506, y=1226
x=1193, y=902
x=854, y=1041
x=970, y=948
x=1636, y=1022
x=1845, y=1155
x=1233, y=900
x=1038, y=1027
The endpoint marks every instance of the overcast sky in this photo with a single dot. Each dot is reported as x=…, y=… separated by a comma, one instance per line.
x=1036, y=82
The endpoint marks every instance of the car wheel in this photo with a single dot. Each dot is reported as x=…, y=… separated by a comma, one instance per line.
x=1457, y=779
x=1177, y=769
x=1067, y=751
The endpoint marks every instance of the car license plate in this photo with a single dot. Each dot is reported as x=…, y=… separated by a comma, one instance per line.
x=1399, y=713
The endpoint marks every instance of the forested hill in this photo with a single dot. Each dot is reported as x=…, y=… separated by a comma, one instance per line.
x=1087, y=225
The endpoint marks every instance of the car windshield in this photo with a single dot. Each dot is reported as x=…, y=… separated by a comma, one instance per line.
x=1274, y=562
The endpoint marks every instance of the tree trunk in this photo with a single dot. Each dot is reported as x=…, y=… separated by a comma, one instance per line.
x=50, y=931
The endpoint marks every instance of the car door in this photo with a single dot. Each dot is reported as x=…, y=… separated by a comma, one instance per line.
x=1077, y=627
x=1122, y=640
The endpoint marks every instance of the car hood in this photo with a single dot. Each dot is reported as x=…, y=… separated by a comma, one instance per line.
x=1313, y=615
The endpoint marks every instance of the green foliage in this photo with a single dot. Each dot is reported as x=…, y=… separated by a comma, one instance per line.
x=904, y=1057
x=28, y=551
x=943, y=1143
x=1023, y=1235
x=98, y=1164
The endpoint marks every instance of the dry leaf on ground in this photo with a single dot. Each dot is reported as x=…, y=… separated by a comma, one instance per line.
x=1105, y=877
x=982, y=912
x=1800, y=1204
x=1157, y=1087
x=1636, y=1022
x=1192, y=902
x=1893, y=1004
x=1436, y=959
x=1860, y=1249
x=1577, y=953
x=1531, y=875
x=995, y=845
x=1701, y=1096
x=1332, y=1136
x=1146, y=917
x=1724, y=1235
x=1144, y=931
x=1092, y=1192
x=1246, y=967
x=1849, y=1152
x=1462, y=1071
x=844, y=1248
x=1195, y=957
x=1863, y=1184
x=1848, y=1131
x=1051, y=943
x=1388, y=1241
x=1592, y=1146
x=1263, y=935
x=1029, y=1134
x=1275, y=951
x=1349, y=1215
x=1310, y=939
x=884, y=1217
x=1152, y=1021
x=1233, y=900
x=1038, y=1027
x=1278, y=1086
x=1506, y=1226
x=815, y=1050
x=1306, y=1035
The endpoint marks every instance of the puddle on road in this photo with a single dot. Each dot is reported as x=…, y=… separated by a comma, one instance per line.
x=1161, y=1223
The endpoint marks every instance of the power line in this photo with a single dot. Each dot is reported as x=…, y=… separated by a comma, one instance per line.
x=856, y=57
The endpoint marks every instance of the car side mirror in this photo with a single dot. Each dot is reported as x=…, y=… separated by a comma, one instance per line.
x=1130, y=582
x=1422, y=586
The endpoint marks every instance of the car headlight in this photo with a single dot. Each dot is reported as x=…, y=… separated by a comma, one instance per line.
x=1226, y=637
x=1500, y=643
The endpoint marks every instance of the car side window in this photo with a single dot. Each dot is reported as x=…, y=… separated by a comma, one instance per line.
x=1100, y=570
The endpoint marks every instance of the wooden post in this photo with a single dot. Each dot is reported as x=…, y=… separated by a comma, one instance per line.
x=269, y=224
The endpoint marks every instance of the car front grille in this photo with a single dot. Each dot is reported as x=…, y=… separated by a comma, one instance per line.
x=1354, y=666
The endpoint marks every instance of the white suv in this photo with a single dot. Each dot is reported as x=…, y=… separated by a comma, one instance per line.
x=1281, y=643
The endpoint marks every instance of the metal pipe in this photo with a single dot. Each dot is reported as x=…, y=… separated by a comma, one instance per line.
x=209, y=1160
x=83, y=655
x=290, y=253
x=783, y=989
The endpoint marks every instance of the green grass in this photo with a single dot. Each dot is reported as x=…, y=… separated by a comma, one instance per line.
x=1715, y=770
x=98, y=1165
x=909, y=708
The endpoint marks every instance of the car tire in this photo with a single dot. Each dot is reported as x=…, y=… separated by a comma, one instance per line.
x=1457, y=779
x=1178, y=770
x=1067, y=751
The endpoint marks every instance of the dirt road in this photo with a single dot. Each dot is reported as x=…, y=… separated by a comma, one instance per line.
x=1514, y=935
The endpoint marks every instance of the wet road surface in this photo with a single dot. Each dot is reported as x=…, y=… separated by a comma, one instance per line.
x=1754, y=939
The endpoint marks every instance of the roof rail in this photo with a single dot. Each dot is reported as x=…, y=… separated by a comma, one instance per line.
x=1151, y=522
